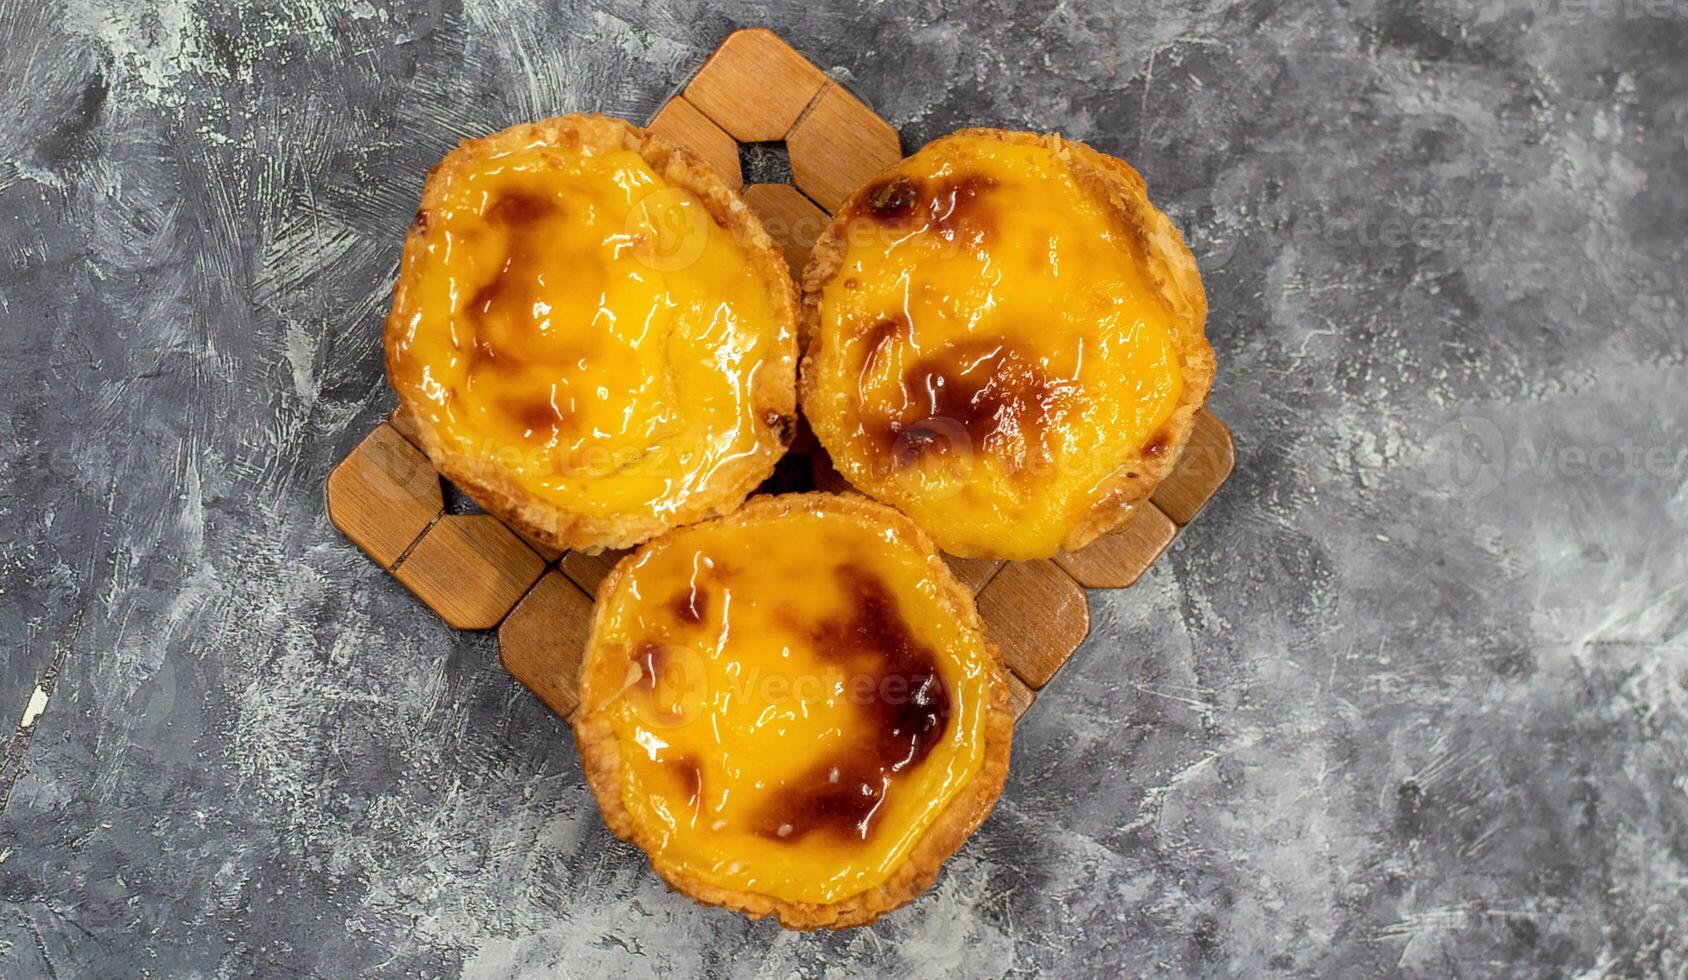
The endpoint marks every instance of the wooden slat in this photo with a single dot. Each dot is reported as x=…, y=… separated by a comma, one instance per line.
x=1020, y=697
x=383, y=495
x=754, y=86
x=1037, y=614
x=826, y=476
x=837, y=145
x=401, y=420
x=1119, y=559
x=587, y=571
x=546, y=553
x=470, y=569
x=1208, y=461
x=679, y=121
x=792, y=219
x=975, y=572
x=544, y=638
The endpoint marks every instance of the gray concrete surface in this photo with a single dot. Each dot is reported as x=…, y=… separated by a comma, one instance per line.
x=1409, y=699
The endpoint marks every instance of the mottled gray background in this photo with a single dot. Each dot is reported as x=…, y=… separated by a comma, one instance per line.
x=1409, y=698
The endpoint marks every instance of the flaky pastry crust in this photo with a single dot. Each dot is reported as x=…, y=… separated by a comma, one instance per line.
x=773, y=394
x=600, y=748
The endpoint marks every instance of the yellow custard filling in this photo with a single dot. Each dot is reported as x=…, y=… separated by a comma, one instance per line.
x=592, y=329
x=794, y=702
x=993, y=350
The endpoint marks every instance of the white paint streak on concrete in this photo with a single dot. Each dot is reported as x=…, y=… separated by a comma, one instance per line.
x=32, y=710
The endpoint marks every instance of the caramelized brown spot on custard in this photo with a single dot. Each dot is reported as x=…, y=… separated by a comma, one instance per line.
x=954, y=208
x=1157, y=445
x=904, y=717
x=511, y=292
x=691, y=605
x=690, y=770
x=990, y=393
x=535, y=415
x=876, y=337
x=958, y=211
x=515, y=209
x=891, y=201
x=839, y=797
x=419, y=224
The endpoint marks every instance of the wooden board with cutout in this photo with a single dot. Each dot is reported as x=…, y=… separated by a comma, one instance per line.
x=476, y=573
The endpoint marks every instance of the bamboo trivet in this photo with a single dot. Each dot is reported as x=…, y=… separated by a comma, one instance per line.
x=476, y=573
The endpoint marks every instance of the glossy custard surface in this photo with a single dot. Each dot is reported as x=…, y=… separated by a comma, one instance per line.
x=587, y=326
x=993, y=348
x=796, y=704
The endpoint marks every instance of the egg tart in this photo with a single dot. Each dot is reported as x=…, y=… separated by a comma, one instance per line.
x=793, y=709
x=1004, y=339
x=593, y=334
